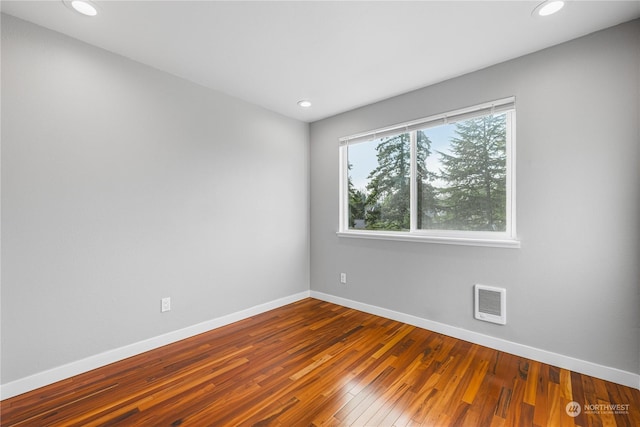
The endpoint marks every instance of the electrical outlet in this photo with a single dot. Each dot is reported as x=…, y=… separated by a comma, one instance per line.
x=166, y=304
x=343, y=278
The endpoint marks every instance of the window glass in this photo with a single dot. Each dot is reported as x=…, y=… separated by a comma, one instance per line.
x=434, y=177
x=463, y=186
x=379, y=183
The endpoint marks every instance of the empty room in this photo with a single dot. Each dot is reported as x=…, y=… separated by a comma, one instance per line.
x=320, y=213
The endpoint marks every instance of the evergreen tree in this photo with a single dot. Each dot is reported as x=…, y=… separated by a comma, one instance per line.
x=426, y=193
x=475, y=174
x=388, y=191
x=357, y=203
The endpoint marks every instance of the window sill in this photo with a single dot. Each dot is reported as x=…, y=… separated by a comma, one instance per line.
x=423, y=238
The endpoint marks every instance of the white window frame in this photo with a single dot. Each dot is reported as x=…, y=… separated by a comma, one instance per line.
x=504, y=239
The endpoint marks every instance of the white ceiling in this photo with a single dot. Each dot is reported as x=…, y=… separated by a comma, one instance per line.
x=338, y=54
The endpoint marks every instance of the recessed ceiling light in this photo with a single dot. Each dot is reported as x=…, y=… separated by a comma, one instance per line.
x=84, y=7
x=548, y=7
x=304, y=103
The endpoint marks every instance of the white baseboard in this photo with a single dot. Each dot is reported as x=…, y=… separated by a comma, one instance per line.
x=59, y=373
x=566, y=362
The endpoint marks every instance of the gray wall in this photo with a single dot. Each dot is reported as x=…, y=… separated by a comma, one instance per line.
x=121, y=185
x=573, y=286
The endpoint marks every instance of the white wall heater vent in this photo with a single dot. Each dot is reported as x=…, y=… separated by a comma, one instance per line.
x=490, y=304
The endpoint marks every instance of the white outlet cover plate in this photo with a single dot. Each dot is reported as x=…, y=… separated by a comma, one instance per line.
x=166, y=304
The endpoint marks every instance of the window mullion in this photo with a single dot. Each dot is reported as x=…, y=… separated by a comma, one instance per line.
x=344, y=188
x=413, y=199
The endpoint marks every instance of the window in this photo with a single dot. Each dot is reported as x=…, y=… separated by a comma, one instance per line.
x=445, y=178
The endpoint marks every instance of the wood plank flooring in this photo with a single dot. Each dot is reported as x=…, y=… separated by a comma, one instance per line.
x=313, y=363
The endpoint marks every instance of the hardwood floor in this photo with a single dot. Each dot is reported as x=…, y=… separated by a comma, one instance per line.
x=313, y=363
